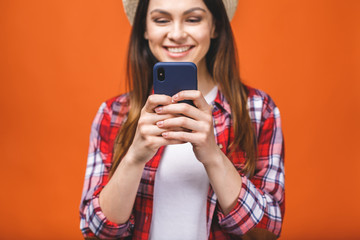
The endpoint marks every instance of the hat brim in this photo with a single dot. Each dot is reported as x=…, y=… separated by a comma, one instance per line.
x=131, y=5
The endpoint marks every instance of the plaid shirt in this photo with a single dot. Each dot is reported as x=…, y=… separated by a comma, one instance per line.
x=261, y=202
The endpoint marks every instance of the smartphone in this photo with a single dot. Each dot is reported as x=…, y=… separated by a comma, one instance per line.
x=173, y=77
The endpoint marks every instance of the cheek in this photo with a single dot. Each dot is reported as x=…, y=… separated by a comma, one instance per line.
x=203, y=39
x=155, y=37
x=155, y=40
x=201, y=34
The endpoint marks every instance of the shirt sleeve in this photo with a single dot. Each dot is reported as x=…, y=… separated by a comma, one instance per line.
x=93, y=222
x=261, y=202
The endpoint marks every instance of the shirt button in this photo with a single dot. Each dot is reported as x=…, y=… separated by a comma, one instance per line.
x=146, y=218
x=216, y=122
x=220, y=146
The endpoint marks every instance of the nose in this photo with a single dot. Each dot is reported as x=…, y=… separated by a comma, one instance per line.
x=177, y=33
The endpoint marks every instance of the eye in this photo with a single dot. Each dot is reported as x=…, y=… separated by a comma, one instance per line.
x=194, y=19
x=161, y=20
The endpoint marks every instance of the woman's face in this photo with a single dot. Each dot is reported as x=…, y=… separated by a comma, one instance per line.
x=179, y=30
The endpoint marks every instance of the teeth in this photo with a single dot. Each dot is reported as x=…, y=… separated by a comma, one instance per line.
x=178, y=50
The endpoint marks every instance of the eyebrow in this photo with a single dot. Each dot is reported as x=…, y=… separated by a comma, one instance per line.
x=185, y=13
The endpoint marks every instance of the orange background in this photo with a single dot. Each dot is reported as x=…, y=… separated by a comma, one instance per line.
x=60, y=59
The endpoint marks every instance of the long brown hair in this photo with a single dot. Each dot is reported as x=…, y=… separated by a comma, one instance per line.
x=222, y=64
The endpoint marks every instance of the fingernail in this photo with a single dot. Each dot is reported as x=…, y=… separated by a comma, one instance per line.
x=175, y=97
x=158, y=109
x=164, y=134
x=160, y=123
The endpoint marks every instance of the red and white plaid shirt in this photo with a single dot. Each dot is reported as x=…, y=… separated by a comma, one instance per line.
x=261, y=202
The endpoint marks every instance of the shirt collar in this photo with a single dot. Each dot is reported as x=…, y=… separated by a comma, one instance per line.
x=221, y=102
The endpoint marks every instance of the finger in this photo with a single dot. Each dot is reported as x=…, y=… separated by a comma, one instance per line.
x=185, y=109
x=155, y=100
x=150, y=130
x=181, y=136
x=182, y=123
x=154, y=130
x=159, y=141
x=152, y=118
x=194, y=95
x=172, y=142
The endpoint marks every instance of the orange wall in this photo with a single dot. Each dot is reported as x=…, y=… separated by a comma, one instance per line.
x=60, y=59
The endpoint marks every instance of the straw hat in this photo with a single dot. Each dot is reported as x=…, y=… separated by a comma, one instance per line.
x=131, y=5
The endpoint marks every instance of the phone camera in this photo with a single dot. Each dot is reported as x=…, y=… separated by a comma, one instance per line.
x=161, y=74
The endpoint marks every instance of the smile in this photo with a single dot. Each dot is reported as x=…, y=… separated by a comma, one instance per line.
x=178, y=49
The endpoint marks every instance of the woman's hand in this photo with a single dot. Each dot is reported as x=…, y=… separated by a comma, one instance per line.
x=198, y=120
x=118, y=196
x=148, y=136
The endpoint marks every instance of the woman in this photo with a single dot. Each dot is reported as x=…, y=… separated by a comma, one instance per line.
x=221, y=173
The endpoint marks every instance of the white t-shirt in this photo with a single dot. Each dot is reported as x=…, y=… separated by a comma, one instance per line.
x=180, y=193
